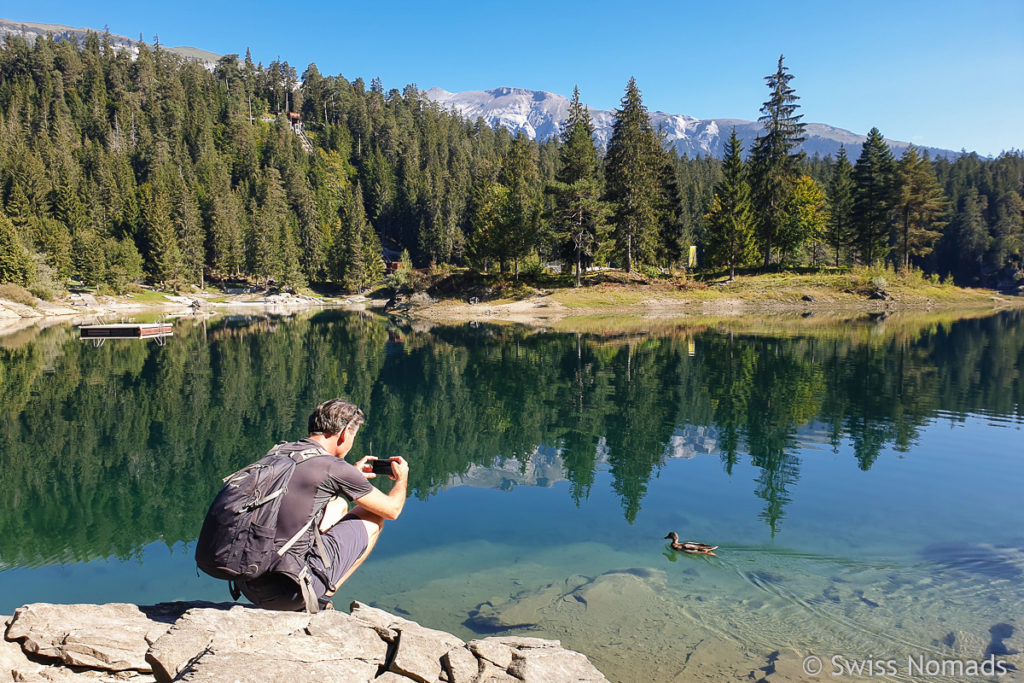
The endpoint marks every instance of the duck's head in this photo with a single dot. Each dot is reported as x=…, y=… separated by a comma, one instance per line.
x=673, y=535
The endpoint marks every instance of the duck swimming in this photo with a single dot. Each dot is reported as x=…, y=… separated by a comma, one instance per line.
x=692, y=547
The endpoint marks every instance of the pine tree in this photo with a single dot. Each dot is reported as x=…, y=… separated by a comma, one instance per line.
x=349, y=254
x=225, y=249
x=164, y=256
x=874, y=183
x=840, y=204
x=522, y=220
x=15, y=262
x=1007, y=231
x=729, y=239
x=372, y=257
x=773, y=159
x=970, y=236
x=266, y=252
x=920, y=206
x=489, y=239
x=579, y=214
x=669, y=205
x=631, y=173
x=189, y=232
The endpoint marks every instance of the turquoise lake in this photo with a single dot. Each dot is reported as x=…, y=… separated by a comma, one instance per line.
x=864, y=482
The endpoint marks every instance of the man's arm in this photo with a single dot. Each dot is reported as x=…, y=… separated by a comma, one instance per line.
x=388, y=505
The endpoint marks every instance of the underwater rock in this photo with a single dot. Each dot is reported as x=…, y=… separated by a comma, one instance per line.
x=997, y=646
x=1000, y=562
x=831, y=594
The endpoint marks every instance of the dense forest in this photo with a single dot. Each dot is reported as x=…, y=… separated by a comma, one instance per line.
x=114, y=171
x=134, y=437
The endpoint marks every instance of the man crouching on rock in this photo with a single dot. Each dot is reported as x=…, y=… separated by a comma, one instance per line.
x=321, y=489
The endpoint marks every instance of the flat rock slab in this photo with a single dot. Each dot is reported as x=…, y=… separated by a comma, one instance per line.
x=249, y=667
x=549, y=664
x=222, y=627
x=420, y=650
x=354, y=637
x=461, y=665
x=210, y=642
x=112, y=637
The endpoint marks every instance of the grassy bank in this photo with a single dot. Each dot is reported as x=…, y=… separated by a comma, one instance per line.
x=544, y=299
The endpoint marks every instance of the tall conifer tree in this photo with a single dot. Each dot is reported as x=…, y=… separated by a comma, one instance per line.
x=920, y=206
x=774, y=159
x=840, y=203
x=579, y=214
x=730, y=234
x=631, y=172
x=874, y=180
x=522, y=222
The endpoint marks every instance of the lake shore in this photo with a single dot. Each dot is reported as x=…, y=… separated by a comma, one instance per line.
x=662, y=301
x=610, y=299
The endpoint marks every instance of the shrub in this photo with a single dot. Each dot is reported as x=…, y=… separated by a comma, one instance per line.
x=403, y=277
x=650, y=272
x=41, y=291
x=17, y=294
x=531, y=267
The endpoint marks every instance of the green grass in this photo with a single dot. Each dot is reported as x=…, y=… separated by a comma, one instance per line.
x=618, y=291
x=150, y=296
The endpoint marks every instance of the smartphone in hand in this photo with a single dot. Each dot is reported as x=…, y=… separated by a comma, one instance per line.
x=380, y=466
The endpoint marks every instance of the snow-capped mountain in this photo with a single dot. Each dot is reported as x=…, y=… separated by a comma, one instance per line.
x=540, y=114
x=31, y=31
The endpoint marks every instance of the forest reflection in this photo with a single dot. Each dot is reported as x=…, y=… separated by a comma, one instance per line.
x=104, y=450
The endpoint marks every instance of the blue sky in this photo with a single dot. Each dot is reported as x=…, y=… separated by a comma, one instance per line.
x=941, y=73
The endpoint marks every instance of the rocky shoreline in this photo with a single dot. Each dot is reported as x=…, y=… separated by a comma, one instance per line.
x=203, y=641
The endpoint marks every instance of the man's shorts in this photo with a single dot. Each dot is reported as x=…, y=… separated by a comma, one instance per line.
x=344, y=543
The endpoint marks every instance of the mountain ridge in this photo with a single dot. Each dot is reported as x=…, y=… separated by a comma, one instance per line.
x=32, y=30
x=539, y=114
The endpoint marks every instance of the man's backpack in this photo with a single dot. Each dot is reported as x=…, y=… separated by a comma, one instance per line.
x=237, y=542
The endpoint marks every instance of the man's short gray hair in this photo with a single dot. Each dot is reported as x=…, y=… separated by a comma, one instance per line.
x=332, y=417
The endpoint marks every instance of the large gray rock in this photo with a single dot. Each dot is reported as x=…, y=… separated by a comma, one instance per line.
x=276, y=665
x=209, y=642
x=390, y=677
x=461, y=665
x=14, y=665
x=223, y=628
x=420, y=650
x=355, y=638
x=112, y=637
x=550, y=664
x=378, y=619
x=489, y=673
x=493, y=651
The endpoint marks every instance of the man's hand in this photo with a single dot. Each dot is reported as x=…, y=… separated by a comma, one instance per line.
x=366, y=468
x=399, y=468
x=387, y=505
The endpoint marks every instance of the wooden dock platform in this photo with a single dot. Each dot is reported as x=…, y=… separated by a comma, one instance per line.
x=126, y=331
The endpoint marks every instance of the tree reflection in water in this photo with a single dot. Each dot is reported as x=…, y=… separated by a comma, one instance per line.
x=104, y=450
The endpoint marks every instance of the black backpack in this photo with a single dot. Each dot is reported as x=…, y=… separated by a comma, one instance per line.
x=237, y=542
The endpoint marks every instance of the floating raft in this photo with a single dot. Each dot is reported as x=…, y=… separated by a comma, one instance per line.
x=126, y=331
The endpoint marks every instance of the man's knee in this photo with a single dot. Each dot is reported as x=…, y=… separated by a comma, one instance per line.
x=371, y=521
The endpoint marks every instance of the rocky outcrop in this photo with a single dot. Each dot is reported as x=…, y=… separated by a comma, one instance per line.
x=199, y=641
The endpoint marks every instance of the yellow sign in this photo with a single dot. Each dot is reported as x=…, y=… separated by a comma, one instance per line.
x=693, y=257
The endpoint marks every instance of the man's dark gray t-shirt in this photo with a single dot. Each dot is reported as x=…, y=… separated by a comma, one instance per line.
x=314, y=482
